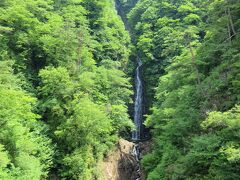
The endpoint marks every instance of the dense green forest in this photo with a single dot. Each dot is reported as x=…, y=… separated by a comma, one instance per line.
x=66, y=86
x=64, y=91
x=191, y=55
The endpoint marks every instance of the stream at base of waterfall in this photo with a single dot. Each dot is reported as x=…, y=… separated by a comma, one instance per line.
x=136, y=153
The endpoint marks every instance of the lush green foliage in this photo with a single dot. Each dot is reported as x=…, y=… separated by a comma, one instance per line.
x=69, y=85
x=161, y=30
x=194, y=47
x=64, y=90
x=26, y=153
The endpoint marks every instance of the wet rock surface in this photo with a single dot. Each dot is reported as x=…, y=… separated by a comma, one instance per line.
x=121, y=164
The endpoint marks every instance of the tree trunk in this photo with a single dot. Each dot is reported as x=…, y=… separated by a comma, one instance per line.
x=229, y=28
x=231, y=22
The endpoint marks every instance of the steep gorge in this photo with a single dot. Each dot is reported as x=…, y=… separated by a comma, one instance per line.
x=125, y=160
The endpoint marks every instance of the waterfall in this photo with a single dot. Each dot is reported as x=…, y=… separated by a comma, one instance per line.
x=138, y=114
x=138, y=101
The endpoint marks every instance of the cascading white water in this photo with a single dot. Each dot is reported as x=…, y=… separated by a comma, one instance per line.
x=137, y=155
x=138, y=114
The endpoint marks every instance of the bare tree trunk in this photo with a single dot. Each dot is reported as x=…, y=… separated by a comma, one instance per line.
x=229, y=28
x=231, y=22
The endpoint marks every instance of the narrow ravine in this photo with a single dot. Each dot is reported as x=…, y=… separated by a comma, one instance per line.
x=138, y=102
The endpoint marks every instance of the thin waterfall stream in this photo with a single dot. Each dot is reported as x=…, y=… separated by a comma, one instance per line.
x=138, y=117
x=138, y=103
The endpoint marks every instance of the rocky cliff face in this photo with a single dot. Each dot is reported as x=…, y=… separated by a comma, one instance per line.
x=120, y=164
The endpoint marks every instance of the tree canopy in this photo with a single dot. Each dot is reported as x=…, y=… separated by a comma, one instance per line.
x=190, y=51
x=66, y=86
